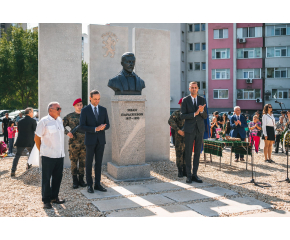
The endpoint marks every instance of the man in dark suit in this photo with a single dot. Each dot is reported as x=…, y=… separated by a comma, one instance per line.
x=94, y=121
x=127, y=82
x=238, y=125
x=25, y=139
x=192, y=110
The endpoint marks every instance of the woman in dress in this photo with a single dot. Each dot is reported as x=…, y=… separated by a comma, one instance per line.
x=255, y=127
x=268, y=124
x=213, y=127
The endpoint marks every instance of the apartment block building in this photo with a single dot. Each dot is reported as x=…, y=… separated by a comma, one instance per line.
x=277, y=64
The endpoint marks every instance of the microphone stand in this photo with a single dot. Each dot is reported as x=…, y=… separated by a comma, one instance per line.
x=258, y=184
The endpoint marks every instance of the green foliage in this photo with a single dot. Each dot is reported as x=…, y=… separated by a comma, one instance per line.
x=85, y=83
x=19, y=69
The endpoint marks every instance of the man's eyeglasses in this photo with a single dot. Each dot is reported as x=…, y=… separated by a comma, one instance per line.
x=57, y=109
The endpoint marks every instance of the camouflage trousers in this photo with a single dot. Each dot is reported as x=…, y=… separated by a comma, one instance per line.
x=180, y=151
x=77, y=155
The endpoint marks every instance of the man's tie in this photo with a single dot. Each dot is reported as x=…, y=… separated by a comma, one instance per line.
x=96, y=113
x=195, y=106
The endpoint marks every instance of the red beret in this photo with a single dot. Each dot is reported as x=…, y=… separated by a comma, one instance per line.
x=77, y=101
x=180, y=101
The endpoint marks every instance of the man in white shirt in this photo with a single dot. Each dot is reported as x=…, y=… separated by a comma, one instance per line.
x=49, y=139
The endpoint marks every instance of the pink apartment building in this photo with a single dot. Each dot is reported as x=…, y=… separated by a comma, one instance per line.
x=235, y=63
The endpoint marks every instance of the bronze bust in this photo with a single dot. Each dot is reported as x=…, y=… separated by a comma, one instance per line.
x=127, y=82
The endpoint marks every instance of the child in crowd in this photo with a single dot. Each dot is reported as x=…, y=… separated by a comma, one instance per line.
x=11, y=135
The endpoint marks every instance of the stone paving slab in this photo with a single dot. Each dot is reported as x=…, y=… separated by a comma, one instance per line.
x=196, y=194
x=236, y=205
x=117, y=191
x=131, y=202
x=176, y=185
x=166, y=211
x=267, y=214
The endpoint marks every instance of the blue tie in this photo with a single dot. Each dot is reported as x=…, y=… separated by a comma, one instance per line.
x=96, y=113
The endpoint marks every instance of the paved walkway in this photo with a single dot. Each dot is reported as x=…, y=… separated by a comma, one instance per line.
x=172, y=199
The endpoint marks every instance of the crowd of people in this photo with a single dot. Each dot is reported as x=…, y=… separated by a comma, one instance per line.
x=237, y=125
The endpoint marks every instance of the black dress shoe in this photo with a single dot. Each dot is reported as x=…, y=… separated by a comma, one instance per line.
x=47, y=206
x=100, y=188
x=12, y=173
x=196, y=179
x=188, y=180
x=90, y=189
x=58, y=201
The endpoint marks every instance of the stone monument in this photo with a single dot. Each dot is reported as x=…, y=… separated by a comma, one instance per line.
x=128, y=125
x=59, y=68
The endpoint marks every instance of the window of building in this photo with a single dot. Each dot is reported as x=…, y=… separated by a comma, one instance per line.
x=249, y=53
x=190, y=66
x=221, y=53
x=204, y=85
x=280, y=93
x=203, y=66
x=182, y=56
x=203, y=27
x=249, y=73
x=220, y=74
x=182, y=76
x=190, y=28
x=248, y=94
x=278, y=51
x=277, y=30
x=278, y=72
x=220, y=94
x=197, y=46
x=182, y=36
x=190, y=46
x=198, y=84
x=196, y=66
x=197, y=27
x=220, y=33
x=203, y=47
x=249, y=32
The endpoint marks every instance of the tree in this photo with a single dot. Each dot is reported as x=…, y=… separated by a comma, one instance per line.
x=19, y=69
x=85, y=83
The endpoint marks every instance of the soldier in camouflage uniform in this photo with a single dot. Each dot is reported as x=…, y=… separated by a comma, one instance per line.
x=177, y=124
x=77, y=148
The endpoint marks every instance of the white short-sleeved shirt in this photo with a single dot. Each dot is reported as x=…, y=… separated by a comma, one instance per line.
x=51, y=132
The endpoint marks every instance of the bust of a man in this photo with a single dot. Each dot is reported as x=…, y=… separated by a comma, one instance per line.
x=127, y=82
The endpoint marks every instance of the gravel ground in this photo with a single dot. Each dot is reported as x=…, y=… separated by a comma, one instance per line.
x=21, y=196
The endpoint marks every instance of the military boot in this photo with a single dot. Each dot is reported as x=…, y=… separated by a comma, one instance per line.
x=75, y=182
x=180, y=172
x=184, y=171
x=81, y=181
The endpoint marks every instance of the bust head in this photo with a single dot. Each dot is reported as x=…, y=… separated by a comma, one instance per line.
x=128, y=61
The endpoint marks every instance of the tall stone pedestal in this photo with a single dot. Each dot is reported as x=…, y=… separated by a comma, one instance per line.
x=128, y=139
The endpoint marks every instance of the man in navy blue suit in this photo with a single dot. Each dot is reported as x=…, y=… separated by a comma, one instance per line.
x=94, y=121
x=238, y=125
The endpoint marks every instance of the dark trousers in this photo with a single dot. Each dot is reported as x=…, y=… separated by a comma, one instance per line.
x=277, y=140
x=11, y=143
x=189, y=139
x=18, y=155
x=237, y=156
x=5, y=133
x=98, y=151
x=51, y=178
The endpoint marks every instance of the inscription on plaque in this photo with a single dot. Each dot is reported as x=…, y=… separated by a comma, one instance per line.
x=131, y=114
x=110, y=42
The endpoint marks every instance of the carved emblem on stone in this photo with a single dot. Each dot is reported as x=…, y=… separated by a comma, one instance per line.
x=110, y=40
